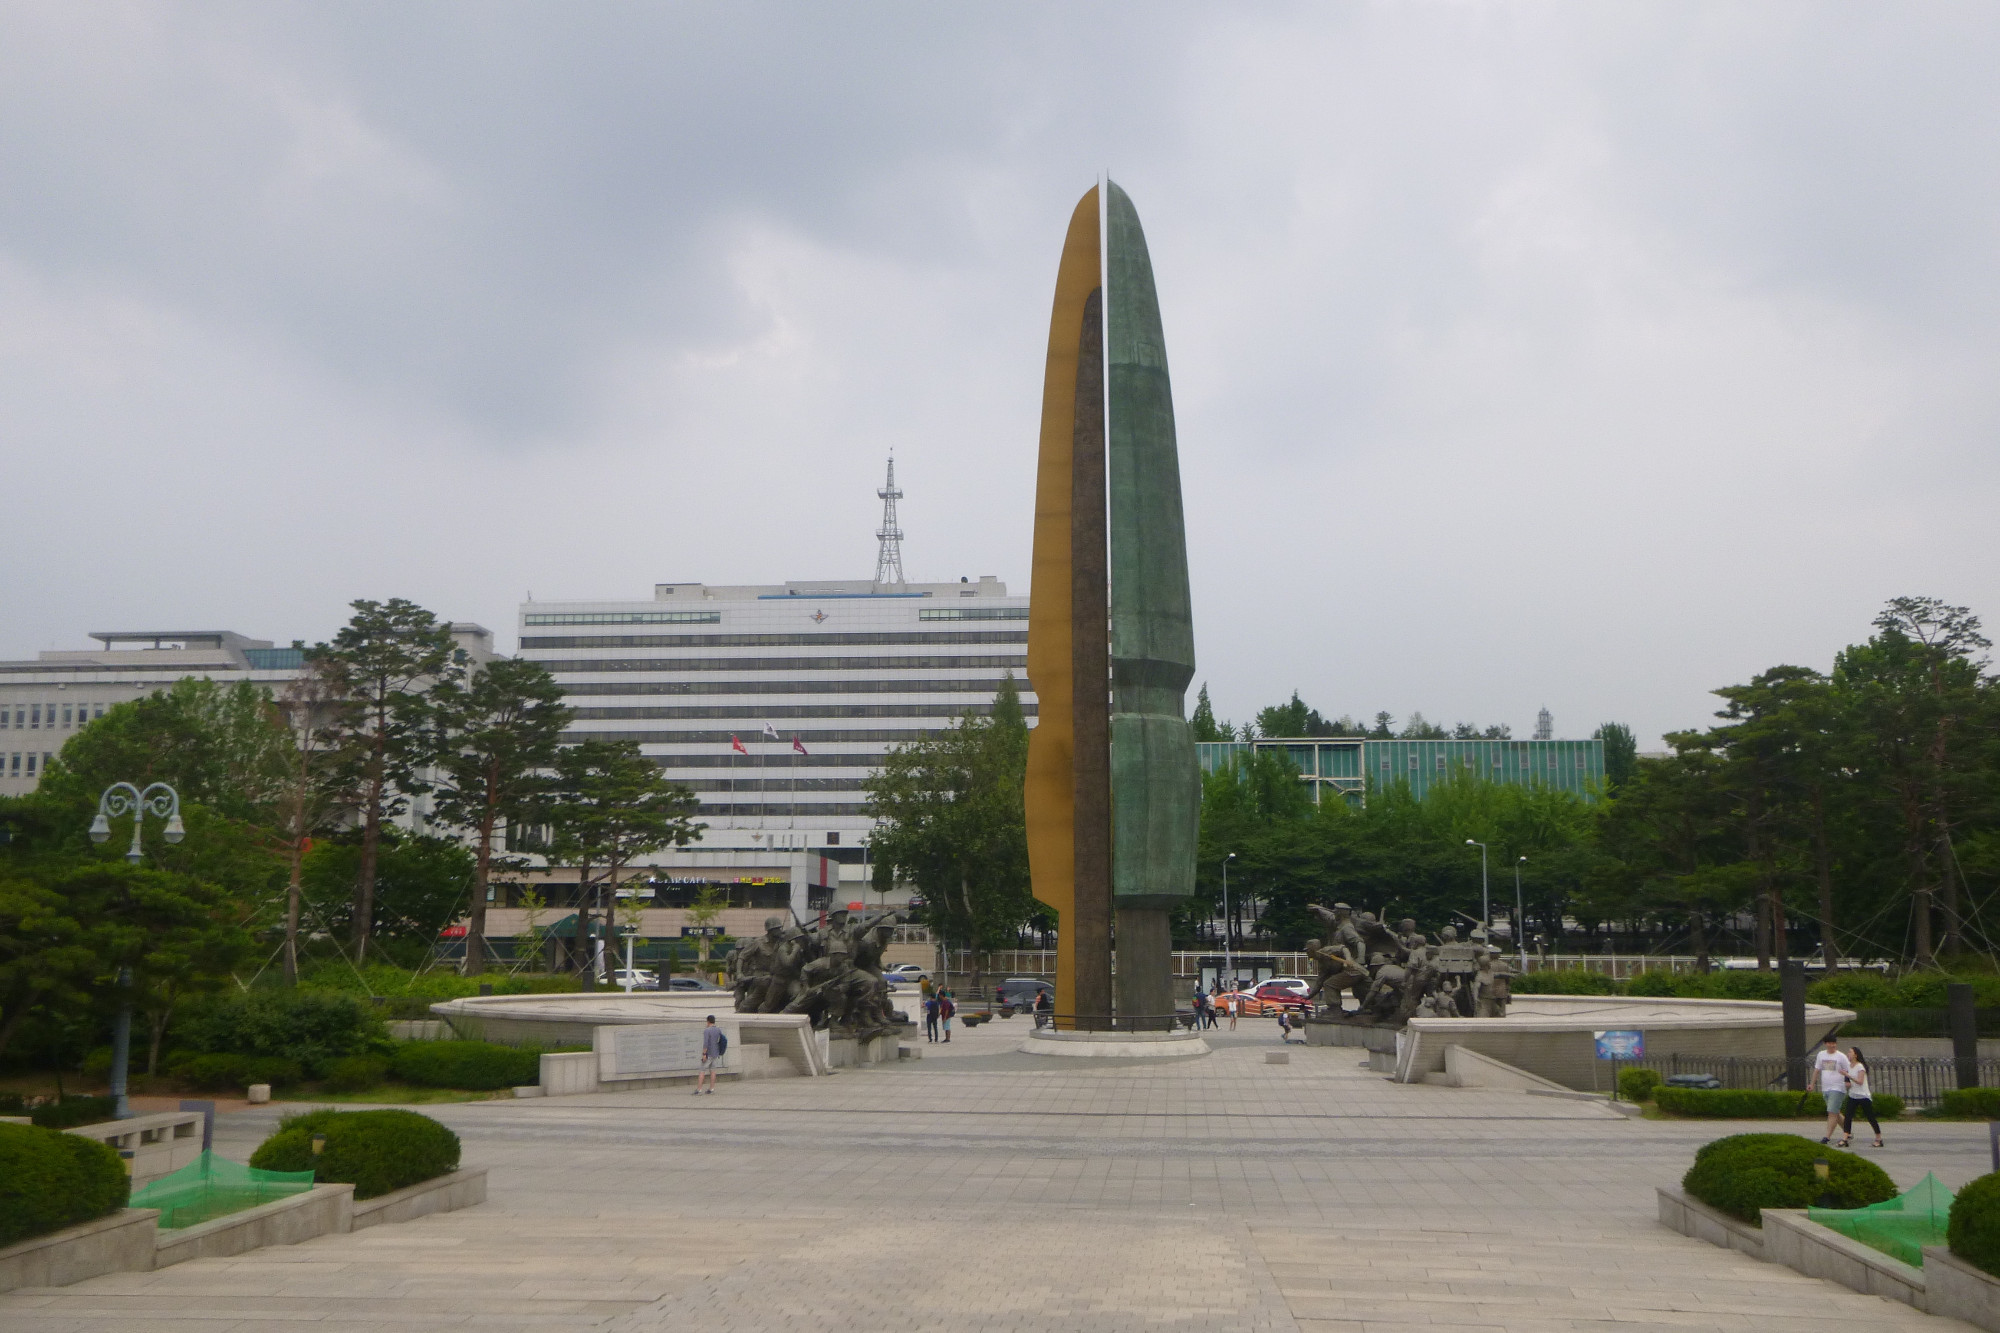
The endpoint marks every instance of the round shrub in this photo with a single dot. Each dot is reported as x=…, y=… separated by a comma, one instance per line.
x=1637, y=1085
x=275, y=1070
x=476, y=1066
x=212, y=1073
x=1746, y=1173
x=50, y=1180
x=375, y=1151
x=356, y=1073
x=313, y=1028
x=1972, y=1103
x=1973, y=1233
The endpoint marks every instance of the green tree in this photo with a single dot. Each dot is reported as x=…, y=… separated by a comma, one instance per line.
x=387, y=659
x=953, y=825
x=607, y=806
x=1621, y=753
x=495, y=736
x=421, y=885
x=1922, y=708
x=217, y=745
x=315, y=793
x=1203, y=723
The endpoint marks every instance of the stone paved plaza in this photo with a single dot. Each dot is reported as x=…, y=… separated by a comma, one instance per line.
x=982, y=1189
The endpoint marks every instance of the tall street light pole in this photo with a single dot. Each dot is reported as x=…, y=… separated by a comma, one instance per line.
x=1228, y=965
x=1485, y=894
x=1520, y=917
x=121, y=798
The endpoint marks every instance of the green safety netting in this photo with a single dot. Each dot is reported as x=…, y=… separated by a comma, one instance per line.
x=1899, y=1228
x=211, y=1187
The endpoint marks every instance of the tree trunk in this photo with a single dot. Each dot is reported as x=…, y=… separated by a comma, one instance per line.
x=475, y=926
x=1698, y=929
x=364, y=883
x=1921, y=920
x=293, y=889
x=1954, y=943
x=1763, y=933
x=1781, y=946
x=1829, y=948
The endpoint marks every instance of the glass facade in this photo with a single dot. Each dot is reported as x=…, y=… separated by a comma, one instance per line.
x=1354, y=765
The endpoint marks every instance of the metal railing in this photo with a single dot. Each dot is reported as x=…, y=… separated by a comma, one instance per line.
x=1918, y=1080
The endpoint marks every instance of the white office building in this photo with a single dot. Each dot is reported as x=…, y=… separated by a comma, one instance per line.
x=43, y=702
x=775, y=703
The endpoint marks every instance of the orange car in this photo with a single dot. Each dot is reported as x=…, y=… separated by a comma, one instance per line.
x=1266, y=998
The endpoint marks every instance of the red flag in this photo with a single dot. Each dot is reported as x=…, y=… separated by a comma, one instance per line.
x=737, y=746
x=798, y=745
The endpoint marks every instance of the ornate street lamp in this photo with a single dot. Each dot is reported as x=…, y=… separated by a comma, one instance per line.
x=119, y=799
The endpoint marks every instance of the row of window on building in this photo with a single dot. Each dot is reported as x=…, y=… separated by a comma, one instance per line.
x=14, y=768
x=31, y=717
x=1581, y=762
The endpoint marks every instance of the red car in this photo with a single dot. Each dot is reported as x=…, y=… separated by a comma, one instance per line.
x=1267, y=997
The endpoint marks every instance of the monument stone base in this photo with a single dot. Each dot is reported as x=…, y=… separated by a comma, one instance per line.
x=1114, y=1045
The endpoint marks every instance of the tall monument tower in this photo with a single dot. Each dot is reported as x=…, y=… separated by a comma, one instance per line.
x=1113, y=795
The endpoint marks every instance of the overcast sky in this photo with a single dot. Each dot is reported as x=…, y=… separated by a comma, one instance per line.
x=1583, y=355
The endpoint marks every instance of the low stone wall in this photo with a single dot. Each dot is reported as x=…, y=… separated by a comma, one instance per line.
x=1945, y=1285
x=1692, y=1217
x=445, y=1194
x=1957, y=1290
x=160, y=1144
x=1797, y=1243
x=120, y=1243
x=323, y=1209
x=131, y=1241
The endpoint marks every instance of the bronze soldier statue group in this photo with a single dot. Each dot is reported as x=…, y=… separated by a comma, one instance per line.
x=832, y=972
x=1401, y=974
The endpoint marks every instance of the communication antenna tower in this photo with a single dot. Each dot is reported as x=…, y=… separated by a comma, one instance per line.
x=889, y=560
x=1545, y=726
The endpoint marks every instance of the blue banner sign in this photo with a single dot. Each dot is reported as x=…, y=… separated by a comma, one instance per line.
x=1621, y=1045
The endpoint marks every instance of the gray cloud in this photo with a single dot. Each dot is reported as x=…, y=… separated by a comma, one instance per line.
x=1524, y=353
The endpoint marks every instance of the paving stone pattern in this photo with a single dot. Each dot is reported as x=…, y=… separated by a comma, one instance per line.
x=983, y=1190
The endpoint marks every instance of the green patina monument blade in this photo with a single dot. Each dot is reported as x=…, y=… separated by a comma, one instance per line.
x=1155, y=785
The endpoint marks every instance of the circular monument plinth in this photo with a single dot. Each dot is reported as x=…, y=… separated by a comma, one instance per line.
x=1115, y=1045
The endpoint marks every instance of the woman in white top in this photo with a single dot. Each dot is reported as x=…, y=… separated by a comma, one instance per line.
x=1860, y=1099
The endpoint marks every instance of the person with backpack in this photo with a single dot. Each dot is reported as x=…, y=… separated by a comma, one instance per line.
x=714, y=1041
x=930, y=1017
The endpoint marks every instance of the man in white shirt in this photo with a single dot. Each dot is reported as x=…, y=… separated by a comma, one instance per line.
x=1832, y=1066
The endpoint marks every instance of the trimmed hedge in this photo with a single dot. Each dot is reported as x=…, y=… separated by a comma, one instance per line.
x=1973, y=1234
x=1756, y=1104
x=224, y=1072
x=476, y=1066
x=50, y=1180
x=1971, y=1103
x=1746, y=1173
x=311, y=1028
x=73, y=1111
x=375, y=1151
x=1638, y=1085
x=356, y=1073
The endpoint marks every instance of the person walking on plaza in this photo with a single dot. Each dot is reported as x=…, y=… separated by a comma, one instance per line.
x=1045, y=1009
x=1860, y=1101
x=930, y=1018
x=1832, y=1067
x=1235, y=1001
x=945, y=1010
x=1194, y=1008
x=1285, y=1026
x=713, y=1044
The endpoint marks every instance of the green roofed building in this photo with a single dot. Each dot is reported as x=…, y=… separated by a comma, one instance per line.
x=1351, y=766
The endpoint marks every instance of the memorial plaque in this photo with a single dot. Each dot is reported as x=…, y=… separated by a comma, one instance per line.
x=649, y=1050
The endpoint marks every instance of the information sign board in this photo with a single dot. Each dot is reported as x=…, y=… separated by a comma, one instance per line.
x=1617, y=1045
